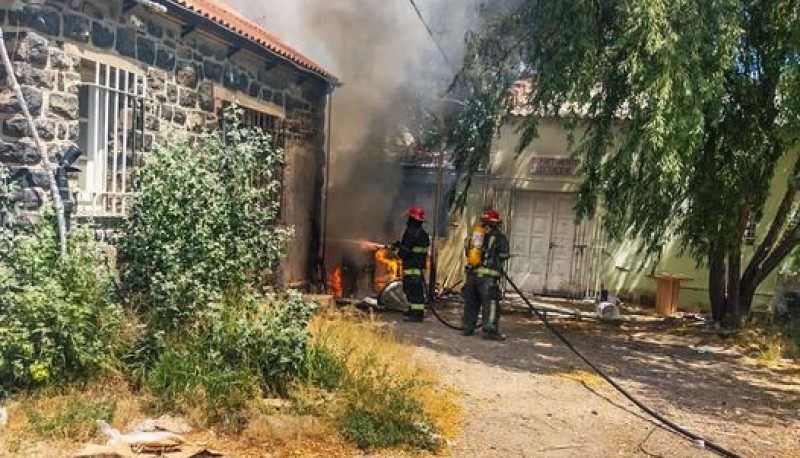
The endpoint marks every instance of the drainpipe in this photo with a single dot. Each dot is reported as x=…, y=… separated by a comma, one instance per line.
x=326, y=191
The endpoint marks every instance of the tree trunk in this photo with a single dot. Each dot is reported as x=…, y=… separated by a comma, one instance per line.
x=733, y=305
x=716, y=281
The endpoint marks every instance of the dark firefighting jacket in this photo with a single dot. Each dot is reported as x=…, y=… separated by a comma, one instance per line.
x=413, y=248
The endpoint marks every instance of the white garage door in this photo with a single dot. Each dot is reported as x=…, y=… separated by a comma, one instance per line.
x=548, y=249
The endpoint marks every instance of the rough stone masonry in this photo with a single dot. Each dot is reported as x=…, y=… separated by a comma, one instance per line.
x=50, y=45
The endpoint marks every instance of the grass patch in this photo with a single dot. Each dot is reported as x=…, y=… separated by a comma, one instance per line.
x=71, y=414
x=366, y=384
x=770, y=346
x=207, y=391
x=77, y=420
x=588, y=379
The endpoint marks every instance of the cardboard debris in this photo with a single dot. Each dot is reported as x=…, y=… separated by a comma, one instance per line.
x=168, y=423
x=127, y=451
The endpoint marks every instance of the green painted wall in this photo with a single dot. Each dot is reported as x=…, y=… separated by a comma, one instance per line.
x=620, y=267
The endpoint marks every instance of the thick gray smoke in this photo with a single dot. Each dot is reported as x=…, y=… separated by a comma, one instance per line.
x=383, y=55
x=387, y=61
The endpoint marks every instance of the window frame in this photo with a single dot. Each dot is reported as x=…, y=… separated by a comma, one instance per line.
x=110, y=123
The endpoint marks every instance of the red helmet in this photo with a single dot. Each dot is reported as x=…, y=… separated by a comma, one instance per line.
x=416, y=212
x=491, y=216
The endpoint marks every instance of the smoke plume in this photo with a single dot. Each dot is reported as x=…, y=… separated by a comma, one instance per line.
x=387, y=61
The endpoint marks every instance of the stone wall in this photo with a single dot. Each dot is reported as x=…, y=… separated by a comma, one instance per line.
x=47, y=43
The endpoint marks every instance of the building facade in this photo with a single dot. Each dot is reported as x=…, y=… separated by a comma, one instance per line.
x=111, y=77
x=555, y=254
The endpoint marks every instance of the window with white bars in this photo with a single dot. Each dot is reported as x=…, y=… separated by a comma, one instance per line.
x=275, y=127
x=111, y=133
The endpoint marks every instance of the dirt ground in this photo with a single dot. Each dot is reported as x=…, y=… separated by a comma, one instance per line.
x=530, y=397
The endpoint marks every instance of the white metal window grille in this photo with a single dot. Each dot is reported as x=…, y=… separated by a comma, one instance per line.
x=111, y=132
x=275, y=127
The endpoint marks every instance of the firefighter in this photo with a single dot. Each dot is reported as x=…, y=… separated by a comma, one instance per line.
x=413, y=250
x=487, y=251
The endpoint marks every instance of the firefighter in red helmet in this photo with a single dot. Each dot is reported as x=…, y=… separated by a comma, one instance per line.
x=413, y=250
x=487, y=251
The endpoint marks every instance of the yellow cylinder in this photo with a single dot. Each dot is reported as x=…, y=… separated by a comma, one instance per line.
x=475, y=248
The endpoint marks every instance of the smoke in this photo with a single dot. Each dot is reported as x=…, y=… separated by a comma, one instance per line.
x=387, y=61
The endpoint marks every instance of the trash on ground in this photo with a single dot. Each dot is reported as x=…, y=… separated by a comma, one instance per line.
x=126, y=451
x=608, y=311
x=156, y=440
x=167, y=423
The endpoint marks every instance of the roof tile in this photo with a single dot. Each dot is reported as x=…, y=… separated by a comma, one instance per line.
x=229, y=18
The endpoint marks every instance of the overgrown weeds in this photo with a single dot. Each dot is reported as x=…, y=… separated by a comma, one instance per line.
x=367, y=384
x=772, y=345
x=58, y=322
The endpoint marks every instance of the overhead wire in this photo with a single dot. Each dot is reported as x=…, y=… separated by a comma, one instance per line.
x=432, y=35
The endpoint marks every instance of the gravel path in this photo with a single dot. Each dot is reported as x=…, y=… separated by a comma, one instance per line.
x=530, y=397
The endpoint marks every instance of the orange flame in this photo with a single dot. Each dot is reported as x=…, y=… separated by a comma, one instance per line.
x=335, y=282
x=388, y=267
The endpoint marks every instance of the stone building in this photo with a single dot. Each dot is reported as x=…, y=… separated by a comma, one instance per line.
x=110, y=76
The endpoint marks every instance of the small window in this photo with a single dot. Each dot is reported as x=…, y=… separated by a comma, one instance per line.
x=110, y=111
x=749, y=236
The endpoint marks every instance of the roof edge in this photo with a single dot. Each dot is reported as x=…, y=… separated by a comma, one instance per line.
x=246, y=30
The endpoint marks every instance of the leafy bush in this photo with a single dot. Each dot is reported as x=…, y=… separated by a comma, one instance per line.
x=200, y=230
x=199, y=240
x=57, y=319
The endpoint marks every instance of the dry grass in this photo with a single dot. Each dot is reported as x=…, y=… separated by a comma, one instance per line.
x=358, y=337
x=588, y=379
x=769, y=347
x=48, y=422
x=271, y=430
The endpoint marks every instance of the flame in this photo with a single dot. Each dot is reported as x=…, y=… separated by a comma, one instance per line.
x=388, y=267
x=335, y=282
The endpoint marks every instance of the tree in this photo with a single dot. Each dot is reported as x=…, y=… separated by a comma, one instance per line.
x=689, y=107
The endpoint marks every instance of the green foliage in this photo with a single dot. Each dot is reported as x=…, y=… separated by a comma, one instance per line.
x=251, y=347
x=685, y=111
x=186, y=380
x=199, y=230
x=76, y=421
x=57, y=319
x=381, y=412
x=322, y=368
x=201, y=236
x=372, y=404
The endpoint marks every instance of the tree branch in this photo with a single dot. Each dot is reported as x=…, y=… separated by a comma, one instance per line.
x=787, y=244
x=778, y=222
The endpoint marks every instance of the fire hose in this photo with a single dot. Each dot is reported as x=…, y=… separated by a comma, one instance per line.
x=666, y=422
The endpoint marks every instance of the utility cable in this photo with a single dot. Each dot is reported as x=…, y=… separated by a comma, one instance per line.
x=431, y=34
x=680, y=430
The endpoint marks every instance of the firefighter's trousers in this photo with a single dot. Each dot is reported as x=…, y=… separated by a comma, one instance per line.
x=481, y=293
x=414, y=289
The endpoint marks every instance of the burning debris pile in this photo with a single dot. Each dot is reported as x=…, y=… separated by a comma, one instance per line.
x=364, y=269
